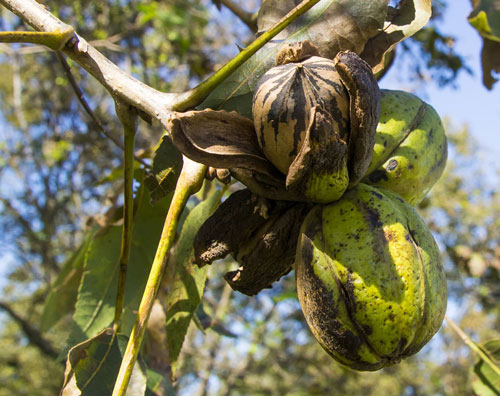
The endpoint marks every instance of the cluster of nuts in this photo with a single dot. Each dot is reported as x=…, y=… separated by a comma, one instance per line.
x=332, y=165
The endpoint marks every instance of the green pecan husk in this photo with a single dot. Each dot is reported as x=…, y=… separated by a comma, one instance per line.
x=369, y=278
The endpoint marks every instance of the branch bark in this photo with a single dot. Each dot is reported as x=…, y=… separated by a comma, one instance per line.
x=33, y=335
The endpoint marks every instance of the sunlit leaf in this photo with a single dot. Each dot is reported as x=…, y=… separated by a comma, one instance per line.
x=486, y=381
x=188, y=283
x=486, y=19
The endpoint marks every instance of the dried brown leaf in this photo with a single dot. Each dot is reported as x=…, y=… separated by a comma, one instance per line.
x=490, y=60
x=219, y=139
x=402, y=22
x=332, y=25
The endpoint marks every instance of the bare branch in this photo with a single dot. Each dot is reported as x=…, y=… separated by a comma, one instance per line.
x=33, y=334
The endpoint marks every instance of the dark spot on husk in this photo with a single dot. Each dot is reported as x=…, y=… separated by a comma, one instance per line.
x=378, y=175
x=373, y=217
x=321, y=312
x=377, y=194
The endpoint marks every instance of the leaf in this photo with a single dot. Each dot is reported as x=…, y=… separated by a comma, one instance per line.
x=117, y=174
x=167, y=165
x=158, y=385
x=485, y=18
x=92, y=367
x=401, y=23
x=97, y=293
x=64, y=291
x=334, y=24
x=187, y=286
x=220, y=139
x=486, y=381
x=490, y=60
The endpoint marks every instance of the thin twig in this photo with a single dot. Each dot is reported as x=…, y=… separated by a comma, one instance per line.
x=81, y=98
x=190, y=181
x=213, y=340
x=473, y=346
x=55, y=39
x=129, y=119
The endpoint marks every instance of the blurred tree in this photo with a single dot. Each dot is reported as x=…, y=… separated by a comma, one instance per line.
x=59, y=175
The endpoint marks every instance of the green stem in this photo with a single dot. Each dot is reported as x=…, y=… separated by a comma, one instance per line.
x=128, y=118
x=55, y=40
x=472, y=345
x=190, y=181
x=201, y=91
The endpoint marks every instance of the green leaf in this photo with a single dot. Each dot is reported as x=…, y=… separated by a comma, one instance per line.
x=188, y=282
x=167, y=165
x=64, y=291
x=327, y=24
x=92, y=367
x=97, y=293
x=486, y=381
x=158, y=385
x=485, y=18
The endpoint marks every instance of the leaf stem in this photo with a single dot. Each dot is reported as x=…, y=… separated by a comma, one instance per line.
x=473, y=346
x=55, y=40
x=128, y=118
x=190, y=181
x=202, y=90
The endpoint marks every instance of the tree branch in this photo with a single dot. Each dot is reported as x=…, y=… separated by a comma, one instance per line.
x=124, y=87
x=34, y=336
x=189, y=182
x=129, y=119
x=121, y=85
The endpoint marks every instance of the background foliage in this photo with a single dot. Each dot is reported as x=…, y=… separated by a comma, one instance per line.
x=60, y=196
